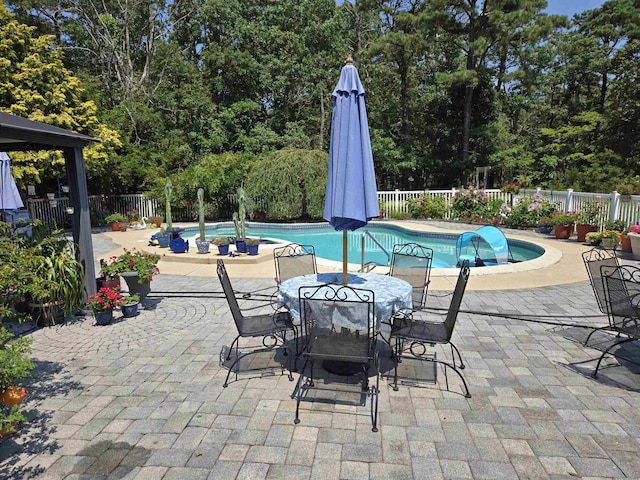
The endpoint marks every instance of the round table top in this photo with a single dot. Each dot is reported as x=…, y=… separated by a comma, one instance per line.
x=391, y=294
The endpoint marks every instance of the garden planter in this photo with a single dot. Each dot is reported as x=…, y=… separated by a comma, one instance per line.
x=129, y=311
x=625, y=243
x=241, y=246
x=163, y=241
x=583, y=229
x=135, y=287
x=115, y=227
x=563, y=231
x=46, y=315
x=13, y=395
x=635, y=245
x=546, y=229
x=5, y=432
x=253, y=249
x=111, y=283
x=609, y=242
x=223, y=249
x=104, y=318
x=179, y=245
x=203, y=246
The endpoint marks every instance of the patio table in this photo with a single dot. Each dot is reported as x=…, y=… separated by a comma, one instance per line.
x=391, y=294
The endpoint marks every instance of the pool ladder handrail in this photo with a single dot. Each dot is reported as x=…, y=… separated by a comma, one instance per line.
x=371, y=265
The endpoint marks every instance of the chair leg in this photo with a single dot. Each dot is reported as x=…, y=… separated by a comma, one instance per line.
x=375, y=393
x=592, y=332
x=299, y=391
x=234, y=343
x=453, y=358
x=595, y=373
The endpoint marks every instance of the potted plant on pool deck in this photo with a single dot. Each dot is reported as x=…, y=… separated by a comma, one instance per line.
x=239, y=222
x=202, y=243
x=634, y=237
x=130, y=306
x=610, y=238
x=109, y=275
x=115, y=219
x=14, y=365
x=103, y=303
x=588, y=219
x=252, y=245
x=138, y=269
x=563, y=222
x=155, y=220
x=223, y=245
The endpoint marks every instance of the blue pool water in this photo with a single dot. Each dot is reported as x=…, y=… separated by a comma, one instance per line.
x=328, y=242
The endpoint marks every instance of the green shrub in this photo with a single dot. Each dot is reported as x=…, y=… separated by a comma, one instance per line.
x=470, y=204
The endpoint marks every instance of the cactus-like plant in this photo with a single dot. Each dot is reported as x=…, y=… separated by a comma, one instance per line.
x=201, y=213
x=168, y=192
x=240, y=215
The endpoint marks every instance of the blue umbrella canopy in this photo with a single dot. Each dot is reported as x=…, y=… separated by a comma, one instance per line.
x=9, y=195
x=351, y=198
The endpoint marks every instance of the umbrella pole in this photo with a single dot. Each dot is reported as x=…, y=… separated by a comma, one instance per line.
x=344, y=258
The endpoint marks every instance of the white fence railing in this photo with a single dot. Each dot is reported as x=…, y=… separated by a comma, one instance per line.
x=616, y=206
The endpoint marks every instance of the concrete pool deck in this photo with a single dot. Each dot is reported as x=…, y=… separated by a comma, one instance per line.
x=560, y=264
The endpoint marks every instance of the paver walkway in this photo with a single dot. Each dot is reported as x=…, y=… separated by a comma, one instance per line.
x=142, y=398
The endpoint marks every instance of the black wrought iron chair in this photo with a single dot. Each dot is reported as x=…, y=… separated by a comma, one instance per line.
x=593, y=260
x=339, y=324
x=622, y=303
x=294, y=260
x=270, y=327
x=412, y=262
x=413, y=332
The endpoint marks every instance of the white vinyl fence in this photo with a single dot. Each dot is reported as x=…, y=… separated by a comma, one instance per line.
x=54, y=211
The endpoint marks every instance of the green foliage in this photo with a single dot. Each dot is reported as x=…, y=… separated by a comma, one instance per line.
x=168, y=192
x=201, y=213
x=115, y=218
x=427, y=206
x=239, y=217
x=470, y=203
x=143, y=263
x=14, y=358
x=528, y=211
x=292, y=183
x=561, y=217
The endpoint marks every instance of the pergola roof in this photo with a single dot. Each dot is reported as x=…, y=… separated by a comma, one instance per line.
x=17, y=133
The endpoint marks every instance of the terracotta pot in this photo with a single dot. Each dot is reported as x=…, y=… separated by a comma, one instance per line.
x=112, y=283
x=563, y=232
x=4, y=431
x=115, y=227
x=13, y=395
x=583, y=229
x=625, y=243
x=635, y=245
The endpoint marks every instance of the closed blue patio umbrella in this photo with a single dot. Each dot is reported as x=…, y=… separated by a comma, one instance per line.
x=9, y=195
x=352, y=198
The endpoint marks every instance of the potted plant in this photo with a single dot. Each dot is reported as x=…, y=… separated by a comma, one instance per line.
x=133, y=217
x=201, y=243
x=625, y=190
x=594, y=238
x=130, y=306
x=14, y=365
x=545, y=225
x=239, y=222
x=138, y=269
x=56, y=286
x=634, y=238
x=588, y=219
x=109, y=276
x=115, y=219
x=563, y=222
x=625, y=241
x=610, y=238
x=252, y=245
x=163, y=238
x=223, y=245
x=103, y=303
x=156, y=220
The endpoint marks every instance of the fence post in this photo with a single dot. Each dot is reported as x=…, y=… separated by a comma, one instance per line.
x=569, y=201
x=396, y=201
x=614, y=206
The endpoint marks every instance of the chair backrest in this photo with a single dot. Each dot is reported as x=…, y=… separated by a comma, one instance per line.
x=228, y=292
x=294, y=260
x=593, y=260
x=622, y=296
x=458, y=292
x=411, y=262
x=339, y=310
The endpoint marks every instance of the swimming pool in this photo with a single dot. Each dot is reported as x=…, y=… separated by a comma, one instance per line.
x=328, y=242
